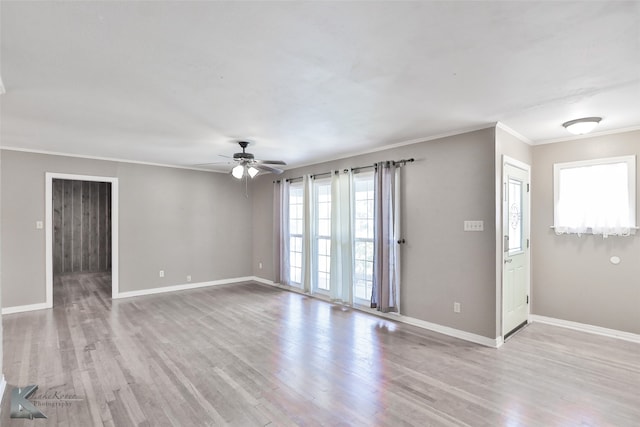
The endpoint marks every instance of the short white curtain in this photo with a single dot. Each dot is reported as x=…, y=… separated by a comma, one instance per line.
x=594, y=199
x=341, y=237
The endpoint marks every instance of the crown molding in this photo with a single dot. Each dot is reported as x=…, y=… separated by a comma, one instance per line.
x=513, y=133
x=106, y=159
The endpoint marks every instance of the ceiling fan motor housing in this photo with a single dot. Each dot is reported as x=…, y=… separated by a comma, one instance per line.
x=243, y=155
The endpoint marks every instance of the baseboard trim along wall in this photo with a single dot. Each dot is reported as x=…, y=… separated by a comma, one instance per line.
x=142, y=292
x=23, y=308
x=583, y=327
x=182, y=287
x=445, y=330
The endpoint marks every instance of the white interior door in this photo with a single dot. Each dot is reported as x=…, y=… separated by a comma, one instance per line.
x=516, y=255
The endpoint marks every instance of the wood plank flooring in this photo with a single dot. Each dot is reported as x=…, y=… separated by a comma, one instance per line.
x=250, y=355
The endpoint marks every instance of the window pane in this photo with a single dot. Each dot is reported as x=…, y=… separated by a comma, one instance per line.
x=363, y=233
x=515, y=215
x=369, y=274
x=323, y=227
x=360, y=250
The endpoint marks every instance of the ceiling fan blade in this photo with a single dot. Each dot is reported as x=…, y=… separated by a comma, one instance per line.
x=264, y=168
x=272, y=162
x=213, y=163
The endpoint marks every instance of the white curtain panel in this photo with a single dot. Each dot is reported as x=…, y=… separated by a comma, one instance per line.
x=341, y=237
x=385, y=294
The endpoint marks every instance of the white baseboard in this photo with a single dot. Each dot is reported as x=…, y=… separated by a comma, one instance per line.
x=445, y=330
x=281, y=286
x=266, y=281
x=23, y=308
x=452, y=332
x=583, y=327
x=182, y=287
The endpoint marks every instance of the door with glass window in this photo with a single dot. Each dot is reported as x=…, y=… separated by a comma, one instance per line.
x=516, y=255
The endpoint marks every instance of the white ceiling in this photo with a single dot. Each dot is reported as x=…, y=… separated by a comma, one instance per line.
x=178, y=82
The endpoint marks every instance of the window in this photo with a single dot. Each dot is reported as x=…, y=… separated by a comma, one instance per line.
x=515, y=216
x=296, y=227
x=595, y=196
x=363, y=237
x=322, y=234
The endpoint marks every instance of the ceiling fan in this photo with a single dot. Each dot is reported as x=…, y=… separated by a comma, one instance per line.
x=248, y=165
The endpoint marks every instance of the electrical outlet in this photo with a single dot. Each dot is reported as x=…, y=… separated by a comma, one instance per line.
x=456, y=307
x=188, y=279
x=161, y=273
x=39, y=225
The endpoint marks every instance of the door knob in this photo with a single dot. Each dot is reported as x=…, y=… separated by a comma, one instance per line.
x=508, y=260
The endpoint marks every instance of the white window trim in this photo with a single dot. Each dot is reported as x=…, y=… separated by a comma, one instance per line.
x=631, y=165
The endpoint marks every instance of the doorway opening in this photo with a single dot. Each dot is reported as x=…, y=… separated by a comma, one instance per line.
x=82, y=230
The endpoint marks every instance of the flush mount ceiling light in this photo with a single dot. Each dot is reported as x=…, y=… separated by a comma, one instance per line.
x=582, y=126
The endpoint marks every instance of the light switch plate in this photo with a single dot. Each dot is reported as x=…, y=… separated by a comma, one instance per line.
x=474, y=225
x=39, y=225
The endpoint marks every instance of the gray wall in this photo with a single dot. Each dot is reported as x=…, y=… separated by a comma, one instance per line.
x=572, y=276
x=185, y=222
x=452, y=180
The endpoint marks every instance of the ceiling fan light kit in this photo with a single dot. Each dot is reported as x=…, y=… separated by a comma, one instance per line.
x=582, y=126
x=238, y=171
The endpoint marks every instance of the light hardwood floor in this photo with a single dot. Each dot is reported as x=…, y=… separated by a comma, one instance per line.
x=250, y=355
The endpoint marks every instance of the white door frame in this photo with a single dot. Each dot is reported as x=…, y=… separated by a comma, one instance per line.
x=520, y=165
x=49, y=177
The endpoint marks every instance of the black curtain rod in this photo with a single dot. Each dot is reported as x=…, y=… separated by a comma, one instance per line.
x=402, y=162
x=323, y=174
x=397, y=162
